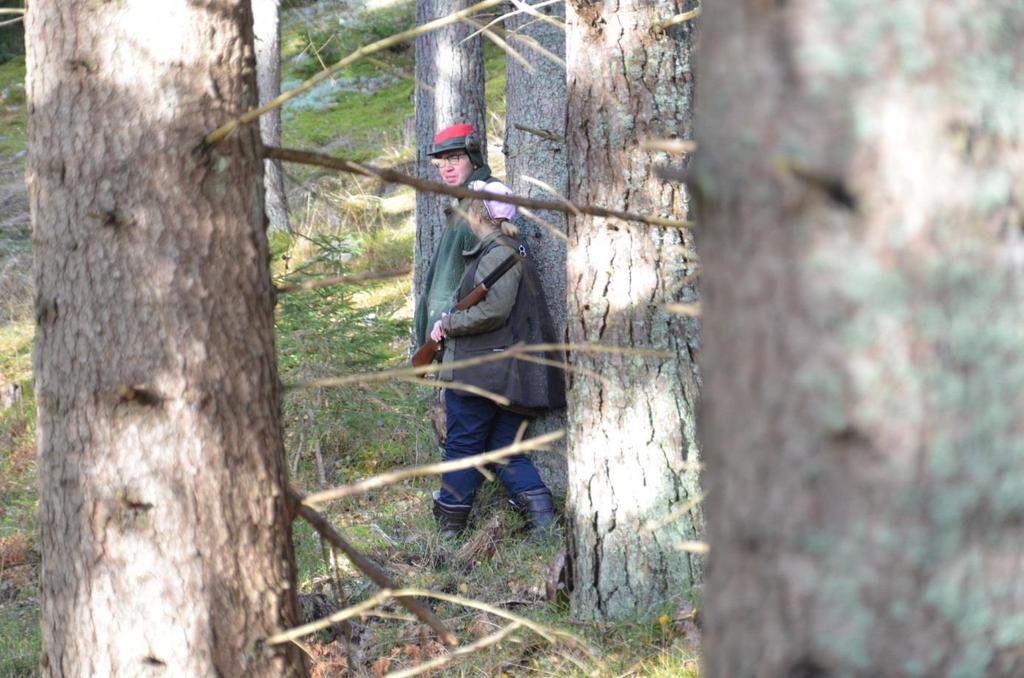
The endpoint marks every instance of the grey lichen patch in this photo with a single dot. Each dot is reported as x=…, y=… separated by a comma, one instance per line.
x=221, y=164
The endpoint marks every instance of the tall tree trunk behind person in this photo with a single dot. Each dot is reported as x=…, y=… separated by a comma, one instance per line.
x=631, y=427
x=449, y=89
x=267, y=29
x=536, y=101
x=862, y=177
x=164, y=526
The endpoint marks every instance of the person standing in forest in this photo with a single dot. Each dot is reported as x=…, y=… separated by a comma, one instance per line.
x=475, y=424
x=513, y=310
x=457, y=154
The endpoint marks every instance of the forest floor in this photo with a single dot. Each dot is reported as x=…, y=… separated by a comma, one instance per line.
x=339, y=225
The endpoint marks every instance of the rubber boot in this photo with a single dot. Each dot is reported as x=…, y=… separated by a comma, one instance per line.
x=539, y=509
x=451, y=518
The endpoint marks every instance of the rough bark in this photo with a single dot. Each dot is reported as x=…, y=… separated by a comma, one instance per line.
x=449, y=89
x=631, y=431
x=267, y=29
x=164, y=528
x=537, y=101
x=862, y=176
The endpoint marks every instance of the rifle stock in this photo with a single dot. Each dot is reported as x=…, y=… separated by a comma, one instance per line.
x=426, y=353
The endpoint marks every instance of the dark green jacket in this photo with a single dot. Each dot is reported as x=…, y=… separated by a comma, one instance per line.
x=514, y=311
x=446, y=268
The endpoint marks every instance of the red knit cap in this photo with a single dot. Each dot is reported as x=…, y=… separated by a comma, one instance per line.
x=460, y=130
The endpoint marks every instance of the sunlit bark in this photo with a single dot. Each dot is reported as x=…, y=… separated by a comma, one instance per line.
x=267, y=30
x=631, y=429
x=164, y=528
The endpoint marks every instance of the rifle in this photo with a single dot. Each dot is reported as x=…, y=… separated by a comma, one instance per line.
x=426, y=353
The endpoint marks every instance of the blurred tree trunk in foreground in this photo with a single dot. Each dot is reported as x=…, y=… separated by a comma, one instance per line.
x=267, y=29
x=537, y=101
x=165, y=532
x=449, y=90
x=861, y=170
x=631, y=427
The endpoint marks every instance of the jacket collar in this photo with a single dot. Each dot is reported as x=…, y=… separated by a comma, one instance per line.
x=482, y=173
x=482, y=245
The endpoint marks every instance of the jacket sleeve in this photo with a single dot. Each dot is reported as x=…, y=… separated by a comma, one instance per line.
x=491, y=313
x=420, y=319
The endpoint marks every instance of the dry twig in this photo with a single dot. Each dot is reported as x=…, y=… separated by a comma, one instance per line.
x=493, y=36
x=319, y=523
x=391, y=176
x=678, y=19
x=542, y=133
x=671, y=146
x=511, y=352
x=230, y=126
x=479, y=460
x=443, y=660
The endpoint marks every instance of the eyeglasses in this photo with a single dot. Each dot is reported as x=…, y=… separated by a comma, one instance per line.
x=449, y=161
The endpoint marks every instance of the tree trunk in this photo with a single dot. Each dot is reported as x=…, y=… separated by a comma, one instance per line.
x=631, y=431
x=165, y=531
x=449, y=90
x=537, y=101
x=862, y=179
x=267, y=28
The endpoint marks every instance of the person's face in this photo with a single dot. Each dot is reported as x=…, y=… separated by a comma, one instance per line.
x=455, y=167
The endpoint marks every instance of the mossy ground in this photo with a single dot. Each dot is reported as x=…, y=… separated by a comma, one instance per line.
x=344, y=225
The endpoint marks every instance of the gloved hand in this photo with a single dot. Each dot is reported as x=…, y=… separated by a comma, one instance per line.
x=437, y=334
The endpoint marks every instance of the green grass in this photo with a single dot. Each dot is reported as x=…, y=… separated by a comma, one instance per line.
x=20, y=640
x=369, y=123
x=19, y=629
x=13, y=116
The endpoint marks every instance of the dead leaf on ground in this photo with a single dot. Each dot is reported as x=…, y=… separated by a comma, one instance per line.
x=380, y=666
x=328, y=660
x=12, y=552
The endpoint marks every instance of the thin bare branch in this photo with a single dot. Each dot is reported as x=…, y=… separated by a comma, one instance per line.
x=445, y=659
x=689, y=310
x=391, y=176
x=551, y=228
x=698, y=547
x=575, y=369
x=543, y=185
x=538, y=48
x=511, y=352
x=228, y=127
x=672, y=146
x=319, y=523
x=312, y=627
x=678, y=19
x=674, y=514
x=480, y=460
x=549, y=634
x=318, y=283
x=504, y=46
x=532, y=11
x=12, y=21
x=520, y=432
x=12, y=10
x=508, y=14
x=542, y=133
x=460, y=386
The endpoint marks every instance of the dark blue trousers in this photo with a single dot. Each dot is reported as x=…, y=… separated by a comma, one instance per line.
x=478, y=425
